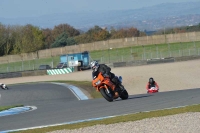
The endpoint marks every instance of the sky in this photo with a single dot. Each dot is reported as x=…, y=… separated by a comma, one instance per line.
x=35, y=8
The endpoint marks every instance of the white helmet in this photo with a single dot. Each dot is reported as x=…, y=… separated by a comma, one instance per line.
x=94, y=65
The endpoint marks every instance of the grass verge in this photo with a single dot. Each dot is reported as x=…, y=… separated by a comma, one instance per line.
x=124, y=118
x=9, y=107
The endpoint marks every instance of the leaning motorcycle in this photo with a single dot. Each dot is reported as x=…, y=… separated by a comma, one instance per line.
x=108, y=89
x=3, y=86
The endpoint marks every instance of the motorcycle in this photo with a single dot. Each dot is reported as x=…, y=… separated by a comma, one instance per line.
x=4, y=87
x=152, y=90
x=108, y=89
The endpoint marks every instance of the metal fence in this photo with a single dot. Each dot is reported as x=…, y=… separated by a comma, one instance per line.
x=108, y=56
x=133, y=56
x=28, y=65
x=104, y=45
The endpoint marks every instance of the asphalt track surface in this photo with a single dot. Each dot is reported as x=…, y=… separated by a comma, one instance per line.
x=57, y=104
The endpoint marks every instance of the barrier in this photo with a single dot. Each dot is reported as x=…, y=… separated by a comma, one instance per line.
x=34, y=73
x=185, y=58
x=160, y=60
x=119, y=64
x=137, y=63
x=10, y=75
x=59, y=71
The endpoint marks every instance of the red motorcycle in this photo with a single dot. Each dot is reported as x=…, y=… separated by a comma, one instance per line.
x=153, y=90
x=108, y=89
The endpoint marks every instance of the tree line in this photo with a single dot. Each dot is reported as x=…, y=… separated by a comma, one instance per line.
x=181, y=29
x=16, y=39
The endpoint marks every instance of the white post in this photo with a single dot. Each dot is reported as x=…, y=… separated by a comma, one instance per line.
x=189, y=52
x=160, y=54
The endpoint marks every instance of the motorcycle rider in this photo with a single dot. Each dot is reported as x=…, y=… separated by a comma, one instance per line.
x=104, y=69
x=3, y=86
x=152, y=83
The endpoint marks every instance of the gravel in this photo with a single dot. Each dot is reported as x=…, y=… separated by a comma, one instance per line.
x=180, y=123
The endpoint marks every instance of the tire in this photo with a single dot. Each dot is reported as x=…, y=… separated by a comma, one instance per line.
x=106, y=95
x=123, y=94
x=6, y=88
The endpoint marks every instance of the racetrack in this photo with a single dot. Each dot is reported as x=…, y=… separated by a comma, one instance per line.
x=56, y=104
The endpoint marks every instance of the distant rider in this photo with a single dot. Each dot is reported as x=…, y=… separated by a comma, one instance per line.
x=151, y=84
x=3, y=86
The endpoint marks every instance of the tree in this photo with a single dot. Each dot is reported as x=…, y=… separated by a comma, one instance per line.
x=32, y=39
x=112, y=31
x=101, y=35
x=9, y=40
x=94, y=30
x=132, y=32
x=17, y=35
x=48, y=37
x=2, y=39
x=118, y=34
x=123, y=33
x=63, y=40
x=97, y=34
x=65, y=28
x=83, y=38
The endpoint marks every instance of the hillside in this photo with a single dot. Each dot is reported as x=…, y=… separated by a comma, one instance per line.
x=149, y=18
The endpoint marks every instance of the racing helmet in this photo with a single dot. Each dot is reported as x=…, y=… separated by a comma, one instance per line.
x=151, y=80
x=94, y=65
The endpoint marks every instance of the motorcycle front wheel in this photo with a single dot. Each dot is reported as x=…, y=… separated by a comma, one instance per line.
x=123, y=94
x=106, y=95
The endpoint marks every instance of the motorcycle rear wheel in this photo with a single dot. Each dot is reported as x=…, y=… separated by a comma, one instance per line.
x=107, y=96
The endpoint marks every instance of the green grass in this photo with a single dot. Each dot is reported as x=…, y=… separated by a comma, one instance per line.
x=9, y=107
x=124, y=118
x=115, y=55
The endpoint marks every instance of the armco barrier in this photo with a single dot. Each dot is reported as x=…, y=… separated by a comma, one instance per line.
x=59, y=71
x=34, y=73
x=185, y=58
x=155, y=61
x=131, y=63
x=136, y=63
x=10, y=75
x=23, y=74
x=119, y=64
x=160, y=60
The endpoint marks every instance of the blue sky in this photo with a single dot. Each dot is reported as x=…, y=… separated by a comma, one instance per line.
x=33, y=8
